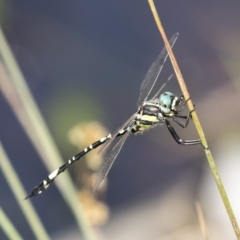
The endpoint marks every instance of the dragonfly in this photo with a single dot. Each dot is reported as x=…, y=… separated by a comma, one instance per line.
x=156, y=111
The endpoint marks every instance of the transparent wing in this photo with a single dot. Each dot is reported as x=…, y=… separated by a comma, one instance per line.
x=127, y=123
x=156, y=95
x=109, y=160
x=153, y=72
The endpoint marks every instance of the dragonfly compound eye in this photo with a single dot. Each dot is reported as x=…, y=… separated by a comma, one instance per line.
x=165, y=101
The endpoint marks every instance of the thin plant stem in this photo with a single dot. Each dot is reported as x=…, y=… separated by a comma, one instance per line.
x=19, y=193
x=202, y=221
x=196, y=122
x=17, y=93
x=8, y=228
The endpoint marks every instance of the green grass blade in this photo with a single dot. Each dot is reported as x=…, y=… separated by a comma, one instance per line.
x=20, y=99
x=8, y=228
x=19, y=193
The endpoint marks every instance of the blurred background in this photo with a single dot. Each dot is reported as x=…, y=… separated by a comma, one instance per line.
x=84, y=61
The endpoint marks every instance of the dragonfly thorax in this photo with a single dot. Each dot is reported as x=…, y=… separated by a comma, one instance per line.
x=155, y=112
x=149, y=114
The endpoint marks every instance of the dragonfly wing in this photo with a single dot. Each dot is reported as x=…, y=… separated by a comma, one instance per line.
x=127, y=123
x=109, y=160
x=156, y=95
x=153, y=72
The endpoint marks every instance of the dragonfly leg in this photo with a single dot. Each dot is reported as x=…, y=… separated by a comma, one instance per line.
x=177, y=138
x=182, y=105
x=181, y=124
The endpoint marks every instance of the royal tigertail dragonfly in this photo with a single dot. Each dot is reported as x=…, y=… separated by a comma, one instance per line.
x=158, y=110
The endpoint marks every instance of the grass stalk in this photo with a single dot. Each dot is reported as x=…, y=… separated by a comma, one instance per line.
x=202, y=221
x=196, y=121
x=8, y=228
x=19, y=193
x=17, y=93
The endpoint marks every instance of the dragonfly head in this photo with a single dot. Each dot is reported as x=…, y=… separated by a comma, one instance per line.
x=168, y=102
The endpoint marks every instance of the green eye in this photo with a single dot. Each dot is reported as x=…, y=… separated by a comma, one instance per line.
x=165, y=101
